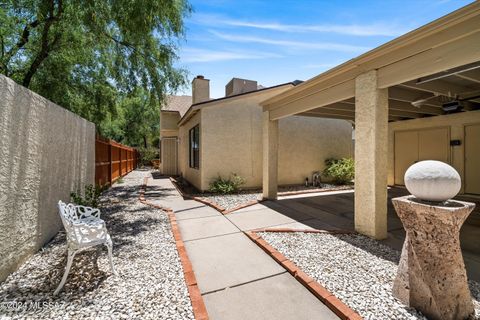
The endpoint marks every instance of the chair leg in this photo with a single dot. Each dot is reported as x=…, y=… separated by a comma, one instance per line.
x=109, y=248
x=97, y=255
x=70, y=256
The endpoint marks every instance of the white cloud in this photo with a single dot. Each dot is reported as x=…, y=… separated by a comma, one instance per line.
x=202, y=55
x=292, y=44
x=375, y=29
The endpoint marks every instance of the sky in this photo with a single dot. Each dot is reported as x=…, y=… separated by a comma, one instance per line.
x=278, y=41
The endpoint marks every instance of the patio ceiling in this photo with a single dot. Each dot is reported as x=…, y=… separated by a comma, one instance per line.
x=431, y=92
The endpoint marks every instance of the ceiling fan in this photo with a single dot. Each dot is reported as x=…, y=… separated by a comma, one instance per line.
x=450, y=102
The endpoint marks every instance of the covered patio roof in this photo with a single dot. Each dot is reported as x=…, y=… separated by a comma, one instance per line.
x=431, y=71
x=440, y=58
x=424, y=97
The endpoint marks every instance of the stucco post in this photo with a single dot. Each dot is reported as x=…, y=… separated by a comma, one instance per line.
x=270, y=157
x=371, y=142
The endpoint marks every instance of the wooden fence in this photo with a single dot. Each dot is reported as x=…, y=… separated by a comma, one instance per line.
x=113, y=160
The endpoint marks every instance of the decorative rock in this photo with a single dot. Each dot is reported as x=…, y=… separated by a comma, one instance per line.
x=146, y=257
x=432, y=180
x=431, y=275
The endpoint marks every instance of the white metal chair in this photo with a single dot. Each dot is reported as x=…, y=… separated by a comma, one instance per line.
x=84, y=230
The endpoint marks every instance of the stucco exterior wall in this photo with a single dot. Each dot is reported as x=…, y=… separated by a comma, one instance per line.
x=46, y=152
x=231, y=142
x=168, y=123
x=194, y=176
x=305, y=143
x=456, y=122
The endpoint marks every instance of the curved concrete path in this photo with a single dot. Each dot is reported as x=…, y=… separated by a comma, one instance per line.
x=236, y=278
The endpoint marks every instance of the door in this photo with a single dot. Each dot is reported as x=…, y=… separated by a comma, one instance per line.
x=434, y=144
x=406, y=153
x=417, y=145
x=169, y=156
x=472, y=159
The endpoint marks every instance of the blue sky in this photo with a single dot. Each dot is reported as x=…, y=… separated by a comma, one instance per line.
x=274, y=42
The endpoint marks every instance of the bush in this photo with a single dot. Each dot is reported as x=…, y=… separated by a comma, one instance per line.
x=225, y=186
x=341, y=171
x=147, y=155
x=89, y=197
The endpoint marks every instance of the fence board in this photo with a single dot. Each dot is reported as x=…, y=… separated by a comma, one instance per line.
x=113, y=160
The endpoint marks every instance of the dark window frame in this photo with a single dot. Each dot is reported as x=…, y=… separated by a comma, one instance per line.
x=194, y=147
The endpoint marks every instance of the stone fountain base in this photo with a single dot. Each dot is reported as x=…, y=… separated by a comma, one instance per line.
x=431, y=275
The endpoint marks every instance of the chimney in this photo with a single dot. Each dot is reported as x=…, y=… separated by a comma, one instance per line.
x=238, y=86
x=200, y=89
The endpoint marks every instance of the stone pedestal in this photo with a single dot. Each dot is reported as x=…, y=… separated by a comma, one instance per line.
x=431, y=275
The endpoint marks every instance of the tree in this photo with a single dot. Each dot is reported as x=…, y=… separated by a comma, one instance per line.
x=91, y=56
x=126, y=127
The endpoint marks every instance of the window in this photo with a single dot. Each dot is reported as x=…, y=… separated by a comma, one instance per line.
x=194, y=137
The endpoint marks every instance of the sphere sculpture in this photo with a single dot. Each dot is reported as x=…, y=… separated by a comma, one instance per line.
x=431, y=274
x=432, y=181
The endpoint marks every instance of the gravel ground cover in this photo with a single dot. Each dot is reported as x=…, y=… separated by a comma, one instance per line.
x=230, y=201
x=356, y=269
x=150, y=284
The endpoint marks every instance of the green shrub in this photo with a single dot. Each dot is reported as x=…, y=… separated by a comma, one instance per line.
x=341, y=171
x=229, y=185
x=89, y=197
x=147, y=155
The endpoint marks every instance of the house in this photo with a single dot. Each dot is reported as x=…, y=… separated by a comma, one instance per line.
x=203, y=138
x=414, y=98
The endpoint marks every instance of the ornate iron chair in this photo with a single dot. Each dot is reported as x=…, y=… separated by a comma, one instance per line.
x=84, y=230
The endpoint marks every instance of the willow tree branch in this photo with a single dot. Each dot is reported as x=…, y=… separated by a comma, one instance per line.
x=46, y=46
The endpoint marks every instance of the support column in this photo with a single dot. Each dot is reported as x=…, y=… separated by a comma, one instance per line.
x=371, y=142
x=270, y=157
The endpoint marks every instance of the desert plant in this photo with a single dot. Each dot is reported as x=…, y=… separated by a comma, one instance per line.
x=89, y=197
x=341, y=171
x=227, y=185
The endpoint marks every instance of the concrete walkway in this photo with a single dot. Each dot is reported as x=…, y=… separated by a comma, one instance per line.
x=236, y=278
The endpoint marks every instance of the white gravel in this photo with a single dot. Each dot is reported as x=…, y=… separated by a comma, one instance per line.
x=150, y=284
x=230, y=201
x=356, y=269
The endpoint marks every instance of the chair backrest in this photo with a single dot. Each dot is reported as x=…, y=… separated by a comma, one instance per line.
x=68, y=214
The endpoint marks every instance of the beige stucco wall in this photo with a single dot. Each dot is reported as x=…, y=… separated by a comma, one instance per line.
x=194, y=176
x=305, y=143
x=231, y=142
x=46, y=152
x=455, y=122
x=168, y=123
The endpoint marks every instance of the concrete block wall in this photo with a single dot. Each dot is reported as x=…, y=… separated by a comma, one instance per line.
x=46, y=152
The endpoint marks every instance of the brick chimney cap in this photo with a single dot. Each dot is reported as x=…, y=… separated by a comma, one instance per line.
x=200, y=77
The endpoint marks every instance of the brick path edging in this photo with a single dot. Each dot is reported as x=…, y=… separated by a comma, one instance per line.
x=338, y=307
x=198, y=305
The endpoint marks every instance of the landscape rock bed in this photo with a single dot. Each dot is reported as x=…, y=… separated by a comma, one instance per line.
x=150, y=284
x=231, y=201
x=356, y=269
